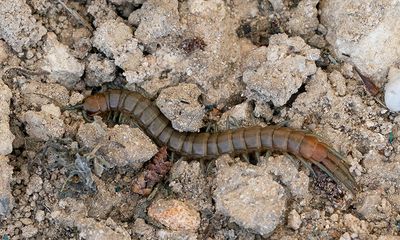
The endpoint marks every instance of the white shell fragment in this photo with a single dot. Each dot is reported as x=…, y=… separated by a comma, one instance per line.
x=392, y=90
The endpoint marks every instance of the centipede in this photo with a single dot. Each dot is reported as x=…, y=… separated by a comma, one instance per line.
x=255, y=140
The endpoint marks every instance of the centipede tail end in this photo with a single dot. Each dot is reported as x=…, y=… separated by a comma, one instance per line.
x=333, y=164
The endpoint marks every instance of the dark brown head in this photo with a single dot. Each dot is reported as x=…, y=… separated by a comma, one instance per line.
x=95, y=104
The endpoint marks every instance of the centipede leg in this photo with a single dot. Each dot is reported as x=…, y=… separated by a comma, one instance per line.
x=109, y=117
x=115, y=117
x=86, y=117
x=257, y=156
x=246, y=157
x=153, y=192
x=308, y=165
x=267, y=154
x=211, y=128
x=172, y=156
x=231, y=125
x=304, y=162
x=121, y=118
x=284, y=123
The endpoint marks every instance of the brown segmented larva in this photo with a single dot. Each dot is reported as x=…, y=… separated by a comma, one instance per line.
x=210, y=145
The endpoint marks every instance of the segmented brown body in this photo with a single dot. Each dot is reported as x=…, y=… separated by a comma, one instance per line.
x=209, y=145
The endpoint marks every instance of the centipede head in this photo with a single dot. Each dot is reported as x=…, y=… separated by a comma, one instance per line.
x=94, y=105
x=90, y=106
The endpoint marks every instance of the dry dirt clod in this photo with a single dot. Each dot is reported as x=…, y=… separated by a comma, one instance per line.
x=175, y=215
x=253, y=62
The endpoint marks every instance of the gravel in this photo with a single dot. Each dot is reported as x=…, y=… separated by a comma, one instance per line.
x=45, y=124
x=249, y=196
x=6, y=136
x=285, y=71
x=6, y=198
x=355, y=26
x=18, y=27
x=175, y=215
x=63, y=67
x=203, y=63
x=180, y=104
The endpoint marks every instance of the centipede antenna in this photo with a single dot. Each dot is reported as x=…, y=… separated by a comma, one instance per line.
x=246, y=157
x=57, y=103
x=9, y=72
x=72, y=107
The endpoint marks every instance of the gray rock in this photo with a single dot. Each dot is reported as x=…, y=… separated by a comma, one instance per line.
x=56, y=93
x=217, y=67
x=128, y=146
x=115, y=39
x=17, y=25
x=277, y=5
x=39, y=216
x=4, y=52
x=304, y=18
x=249, y=196
x=110, y=35
x=287, y=171
x=35, y=184
x=175, y=215
x=176, y=235
x=381, y=171
x=188, y=181
x=99, y=71
x=63, y=67
x=374, y=206
x=355, y=225
x=143, y=230
x=45, y=124
x=90, y=134
x=240, y=115
x=263, y=110
x=285, y=65
x=389, y=237
x=338, y=81
x=355, y=26
x=73, y=213
x=294, y=220
x=41, y=6
x=180, y=105
x=6, y=136
x=104, y=201
x=345, y=236
x=29, y=231
x=6, y=198
x=120, y=146
x=101, y=12
x=156, y=19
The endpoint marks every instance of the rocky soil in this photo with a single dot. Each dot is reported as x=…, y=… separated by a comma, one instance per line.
x=225, y=64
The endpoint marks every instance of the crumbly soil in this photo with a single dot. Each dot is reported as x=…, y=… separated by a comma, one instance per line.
x=216, y=64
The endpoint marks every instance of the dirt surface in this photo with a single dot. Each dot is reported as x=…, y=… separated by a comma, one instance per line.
x=206, y=64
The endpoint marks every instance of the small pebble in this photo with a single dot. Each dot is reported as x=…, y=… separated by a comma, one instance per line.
x=29, y=231
x=39, y=215
x=176, y=215
x=294, y=220
x=345, y=236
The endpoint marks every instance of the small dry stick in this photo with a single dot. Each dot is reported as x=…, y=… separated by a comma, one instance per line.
x=78, y=17
x=368, y=83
